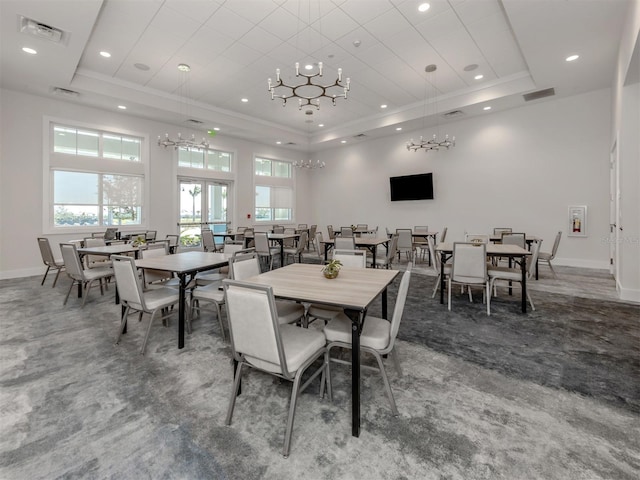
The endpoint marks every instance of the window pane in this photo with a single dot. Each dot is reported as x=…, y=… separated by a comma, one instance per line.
x=190, y=158
x=121, y=215
x=282, y=169
x=282, y=197
x=220, y=161
x=74, y=215
x=190, y=202
x=112, y=147
x=282, y=214
x=131, y=149
x=121, y=190
x=263, y=214
x=75, y=188
x=88, y=143
x=263, y=197
x=217, y=208
x=263, y=167
x=64, y=140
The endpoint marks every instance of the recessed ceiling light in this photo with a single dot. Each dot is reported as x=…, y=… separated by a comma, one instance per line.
x=122, y=107
x=141, y=66
x=423, y=7
x=105, y=54
x=398, y=129
x=28, y=50
x=384, y=105
x=479, y=77
x=217, y=129
x=244, y=100
x=343, y=141
x=321, y=124
x=571, y=58
x=487, y=108
x=183, y=67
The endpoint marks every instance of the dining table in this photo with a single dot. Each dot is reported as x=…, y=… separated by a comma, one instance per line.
x=529, y=239
x=354, y=290
x=279, y=238
x=185, y=265
x=370, y=243
x=493, y=250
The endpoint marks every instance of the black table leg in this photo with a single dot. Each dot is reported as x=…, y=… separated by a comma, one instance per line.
x=443, y=260
x=181, y=309
x=523, y=265
x=354, y=315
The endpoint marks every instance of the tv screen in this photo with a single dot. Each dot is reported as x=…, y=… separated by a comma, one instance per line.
x=412, y=187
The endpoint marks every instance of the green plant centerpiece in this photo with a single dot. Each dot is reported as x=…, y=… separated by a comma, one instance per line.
x=331, y=269
x=139, y=241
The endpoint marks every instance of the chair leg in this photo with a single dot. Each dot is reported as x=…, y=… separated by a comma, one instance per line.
x=396, y=359
x=73, y=283
x=552, y=270
x=86, y=288
x=488, y=296
x=123, y=323
x=219, y=312
x=436, y=287
x=449, y=292
x=530, y=301
x=146, y=336
x=45, y=275
x=387, y=387
x=292, y=412
x=326, y=379
x=55, y=280
x=234, y=394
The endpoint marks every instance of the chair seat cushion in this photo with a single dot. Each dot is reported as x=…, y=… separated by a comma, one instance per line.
x=210, y=292
x=544, y=256
x=208, y=278
x=375, y=334
x=505, y=273
x=324, y=312
x=95, y=273
x=160, y=297
x=289, y=312
x=299, y=345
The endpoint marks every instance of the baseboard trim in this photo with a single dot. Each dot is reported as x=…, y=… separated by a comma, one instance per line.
x=577, y=262
x=26, y=272
x=628, y=294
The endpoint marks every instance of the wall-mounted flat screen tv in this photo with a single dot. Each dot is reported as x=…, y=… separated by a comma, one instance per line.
x=412, y=187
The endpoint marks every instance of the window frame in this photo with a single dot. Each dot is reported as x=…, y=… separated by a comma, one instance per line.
x=55, y=161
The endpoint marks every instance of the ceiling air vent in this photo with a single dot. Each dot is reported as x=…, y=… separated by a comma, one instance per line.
x=193, y=121
x=290, y=143
x=64, y=92
x=453, y=114
x=547, y=92
x=40, y=30
x=360, y=135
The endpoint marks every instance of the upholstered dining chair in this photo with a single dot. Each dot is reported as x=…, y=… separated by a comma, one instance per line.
x=388, y=255
x=296, y=250
x=96, y=261
x=344, y=243
x=346, y=232
x=81, y=276
x=476, y=237
x=248, y=265
x=548, y=256
x=260, y=342
x=134, y=299
x=331, y=232
x=378, y=337
x=405, y=244
x=154, y=278
x=174, y=241
x=436, y=265
x=469, y=268
x=49, y=260
x=420, y=243
x=501, y=230
x=264, y=250
x=206, y=294
x=208, y=242
x=515, y=274
x=351, y=258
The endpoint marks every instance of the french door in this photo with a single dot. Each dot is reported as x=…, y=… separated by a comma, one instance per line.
x=203, y=204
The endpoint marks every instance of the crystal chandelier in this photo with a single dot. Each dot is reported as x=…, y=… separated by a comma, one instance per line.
x=180, y=142
x=307, y=92
x=308, y=164
x=434, y=143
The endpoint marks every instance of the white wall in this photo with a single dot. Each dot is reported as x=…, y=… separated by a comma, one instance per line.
x=521, y=168
x=21, y=175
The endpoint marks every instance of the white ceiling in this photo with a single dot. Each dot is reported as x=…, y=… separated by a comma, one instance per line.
x=233, y=46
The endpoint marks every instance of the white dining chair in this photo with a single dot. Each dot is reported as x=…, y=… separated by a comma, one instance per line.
x=260, y=342
x=84, y=278
x=469, y=269
x=49, y=260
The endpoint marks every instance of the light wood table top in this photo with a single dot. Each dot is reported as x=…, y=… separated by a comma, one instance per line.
x=108, y=250
x=353, y=288
x=186, y=262
x=496, y=249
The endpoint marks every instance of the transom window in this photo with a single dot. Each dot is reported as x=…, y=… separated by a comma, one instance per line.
x=93, y=143
x=272, y=168
x=206, y=159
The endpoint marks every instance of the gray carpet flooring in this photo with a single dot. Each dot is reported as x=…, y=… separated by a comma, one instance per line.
x=553, y=394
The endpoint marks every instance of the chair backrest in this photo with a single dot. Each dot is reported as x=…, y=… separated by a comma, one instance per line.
x=253, y=326
x=344, y=243
x=302, y=242
x=151, y=234
x=208, y=243
x=351, y=258
x=94, y=242
x=127, y=281
x=435, y=264
x=110, y=233
x=153, y=251
x=476, y=237
x=501, y=230
x=421, y=229
x=556, y=242
x=262, y=242
x=398, y=309
x=244, y=266
x=393, y=248
x=405, y=238
x=173, y=240
x=444, y=234
x=45, y=251
x=330, y=232
x=97, y=234
x=278, y=229
x=93, y=261
x=364, y=226
x=514, y=239
x=289, y=242
x=319, y=244
x=346, y=232
x=232, y=247
x=71, y=260
x=532, y=259
x=469, y=263
x=302, y=226
x=312, y=231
